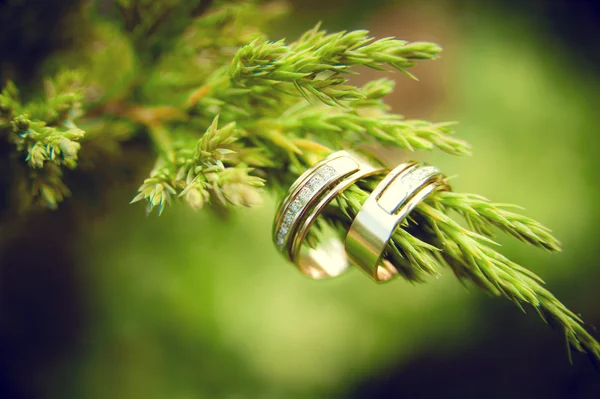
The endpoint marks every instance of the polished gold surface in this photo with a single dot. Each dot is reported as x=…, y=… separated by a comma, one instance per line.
x=305, y=201
x=387, y=206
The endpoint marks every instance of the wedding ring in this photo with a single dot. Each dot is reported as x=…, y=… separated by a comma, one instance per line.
x=305, y=201
x=383, y=211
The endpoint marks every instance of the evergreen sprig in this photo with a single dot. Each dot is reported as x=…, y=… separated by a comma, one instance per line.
x=316, y=63
x=45, y=134
x=230, y=112
x=431, y=239
x=472, y=259
x=339, y=125
x=198, y=174
x=480, y=214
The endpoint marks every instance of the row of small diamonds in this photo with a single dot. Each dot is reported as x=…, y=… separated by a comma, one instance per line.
x=290, y=215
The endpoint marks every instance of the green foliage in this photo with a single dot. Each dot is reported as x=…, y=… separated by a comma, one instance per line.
x=315, y=63
x=45, y=135
x=229, y=112
x=480, y=214
x=339, y=125
x=471, y=258
x=196, y=174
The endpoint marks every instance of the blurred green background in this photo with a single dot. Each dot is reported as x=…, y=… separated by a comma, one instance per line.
x=98, y=300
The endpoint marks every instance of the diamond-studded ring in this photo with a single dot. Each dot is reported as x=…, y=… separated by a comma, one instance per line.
x=386, y=207
x=305, y=201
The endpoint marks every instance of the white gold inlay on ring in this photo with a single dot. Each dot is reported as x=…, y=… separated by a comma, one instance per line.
x=388, y=205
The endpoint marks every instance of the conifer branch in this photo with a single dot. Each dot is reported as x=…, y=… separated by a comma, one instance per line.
x=45, y=135
x=199, y=174
x=338, y=126
x=472, y=259
x=315, y=63
x=444, y=242
x=230, y=113
x=481, y=214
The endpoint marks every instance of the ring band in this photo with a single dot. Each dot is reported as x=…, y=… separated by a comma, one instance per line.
x=383, y=211
x=305, y=201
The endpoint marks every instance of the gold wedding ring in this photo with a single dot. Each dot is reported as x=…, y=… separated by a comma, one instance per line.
x=383, y=211
x=305, y=201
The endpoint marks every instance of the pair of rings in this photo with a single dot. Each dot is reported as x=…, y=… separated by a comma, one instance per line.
x=400, y=191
